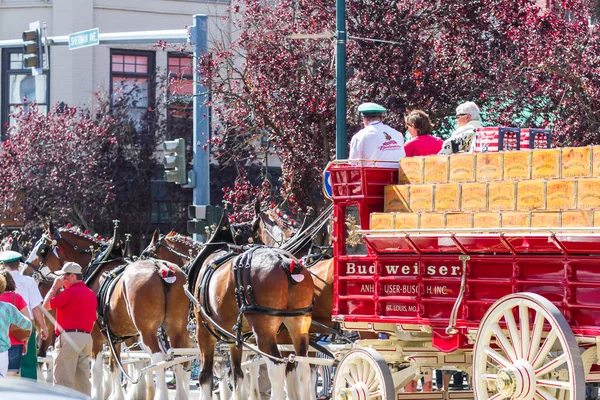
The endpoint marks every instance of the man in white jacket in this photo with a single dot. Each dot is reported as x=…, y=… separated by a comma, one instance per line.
x=377, y=141
x=462, y=139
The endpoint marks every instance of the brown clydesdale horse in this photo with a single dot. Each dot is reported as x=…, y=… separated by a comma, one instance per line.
x=172, y=247
x=140, y=303
x=281, y=293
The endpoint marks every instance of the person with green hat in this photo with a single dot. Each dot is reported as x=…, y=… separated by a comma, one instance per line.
x=28, y=289
x=377, y=141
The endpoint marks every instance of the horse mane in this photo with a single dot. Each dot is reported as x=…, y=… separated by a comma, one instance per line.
x=283, y=222
x=181, y=239
x=76, y=231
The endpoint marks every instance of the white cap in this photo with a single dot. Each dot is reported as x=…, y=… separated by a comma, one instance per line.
x=69, y=268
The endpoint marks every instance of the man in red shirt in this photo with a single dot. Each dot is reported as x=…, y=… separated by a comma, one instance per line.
x=75, y=316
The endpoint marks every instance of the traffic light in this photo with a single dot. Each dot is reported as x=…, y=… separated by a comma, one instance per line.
x=32, y=47
x=174, y=161
x=203, y=216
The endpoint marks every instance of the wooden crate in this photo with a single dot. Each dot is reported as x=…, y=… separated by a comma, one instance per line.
x=421, y=198
x=432, y=220
x=473, y=196
x=489, y=167
x=596, y=161
x=396, y=198
x=410, y=170
x=447, y=197
x=576, y=162
x=588, y=193
x=486, y=219
x=407, y=220
x=545, y=219
x=502, y=196
x=531, y=195
x=561, y=194
x=462, y=168
x=517, y=165
x=576, y=218
x=382, y=221
x=596, y=218
x=435, y=169
x=459, y=220
x=515, y=219
x=545, y=164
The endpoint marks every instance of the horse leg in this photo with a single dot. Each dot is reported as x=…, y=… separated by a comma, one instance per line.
x=152, y=347
x=98, y=392
x=206, y=343
x=236, y=374
x=175, y=325
x=251, y=382
x=116, y=389
x=265, y=330
x=299, y=373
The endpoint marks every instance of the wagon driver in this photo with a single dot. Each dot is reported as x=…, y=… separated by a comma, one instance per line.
x=376, y=141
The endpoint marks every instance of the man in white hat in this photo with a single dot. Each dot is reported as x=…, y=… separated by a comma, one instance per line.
x=75, y=317
x=28, y=289
x=376, y=141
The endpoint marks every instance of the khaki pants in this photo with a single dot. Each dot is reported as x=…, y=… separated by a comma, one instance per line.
x=72, y=363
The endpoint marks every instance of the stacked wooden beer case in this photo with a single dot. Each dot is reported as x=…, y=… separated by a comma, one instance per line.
x=504, y=187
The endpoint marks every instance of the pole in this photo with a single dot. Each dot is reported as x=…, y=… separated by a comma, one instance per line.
x=200, y=144
x=341, y=136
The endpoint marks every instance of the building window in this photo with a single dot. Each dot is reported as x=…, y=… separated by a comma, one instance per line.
x=20, y=87
x=180, y=92
x=132, y=83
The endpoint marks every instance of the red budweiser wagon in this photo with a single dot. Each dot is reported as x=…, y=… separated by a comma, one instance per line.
x=517, y=309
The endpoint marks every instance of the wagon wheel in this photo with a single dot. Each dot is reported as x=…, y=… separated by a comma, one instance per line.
x=521, y=364
x=363, y=374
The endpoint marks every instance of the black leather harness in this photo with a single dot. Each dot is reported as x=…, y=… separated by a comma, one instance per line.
x=244, y=295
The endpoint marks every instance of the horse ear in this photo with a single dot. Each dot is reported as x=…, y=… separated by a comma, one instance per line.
x=50, y=229
x=155, y=236
x=257, y=208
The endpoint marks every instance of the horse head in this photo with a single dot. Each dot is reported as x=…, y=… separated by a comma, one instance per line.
x=172, y=247
x=272, y=226
x=59, y=245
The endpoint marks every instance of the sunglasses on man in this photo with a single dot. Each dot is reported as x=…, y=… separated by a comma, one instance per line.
x=460, y=115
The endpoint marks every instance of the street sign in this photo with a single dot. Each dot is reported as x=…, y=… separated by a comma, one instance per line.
x=82, y=39
x=327, y=189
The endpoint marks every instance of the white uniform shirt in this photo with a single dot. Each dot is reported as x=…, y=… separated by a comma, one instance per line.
x=28, y=289
x=378, y=142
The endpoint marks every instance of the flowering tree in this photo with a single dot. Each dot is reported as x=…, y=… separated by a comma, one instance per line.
x=524, y=66
x=81, y=166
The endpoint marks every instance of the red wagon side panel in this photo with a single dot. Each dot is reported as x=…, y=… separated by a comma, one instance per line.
x=415, y=278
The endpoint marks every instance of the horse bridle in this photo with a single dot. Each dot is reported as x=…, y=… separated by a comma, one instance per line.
x=52, y=248
x=152, y=250
x=279, y=222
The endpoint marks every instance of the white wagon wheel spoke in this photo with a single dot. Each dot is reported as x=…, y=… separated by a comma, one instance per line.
x=552, y=365
x=496, y=357
x=534, y=354
x=544, y=394
x=363, y=374
x=525, y=334
x=505, y=344
x=554, y=384
x=538, y=328
x=544, y=350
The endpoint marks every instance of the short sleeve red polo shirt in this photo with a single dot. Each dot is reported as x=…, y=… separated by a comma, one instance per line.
x=75, y=308
x=425, y=145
